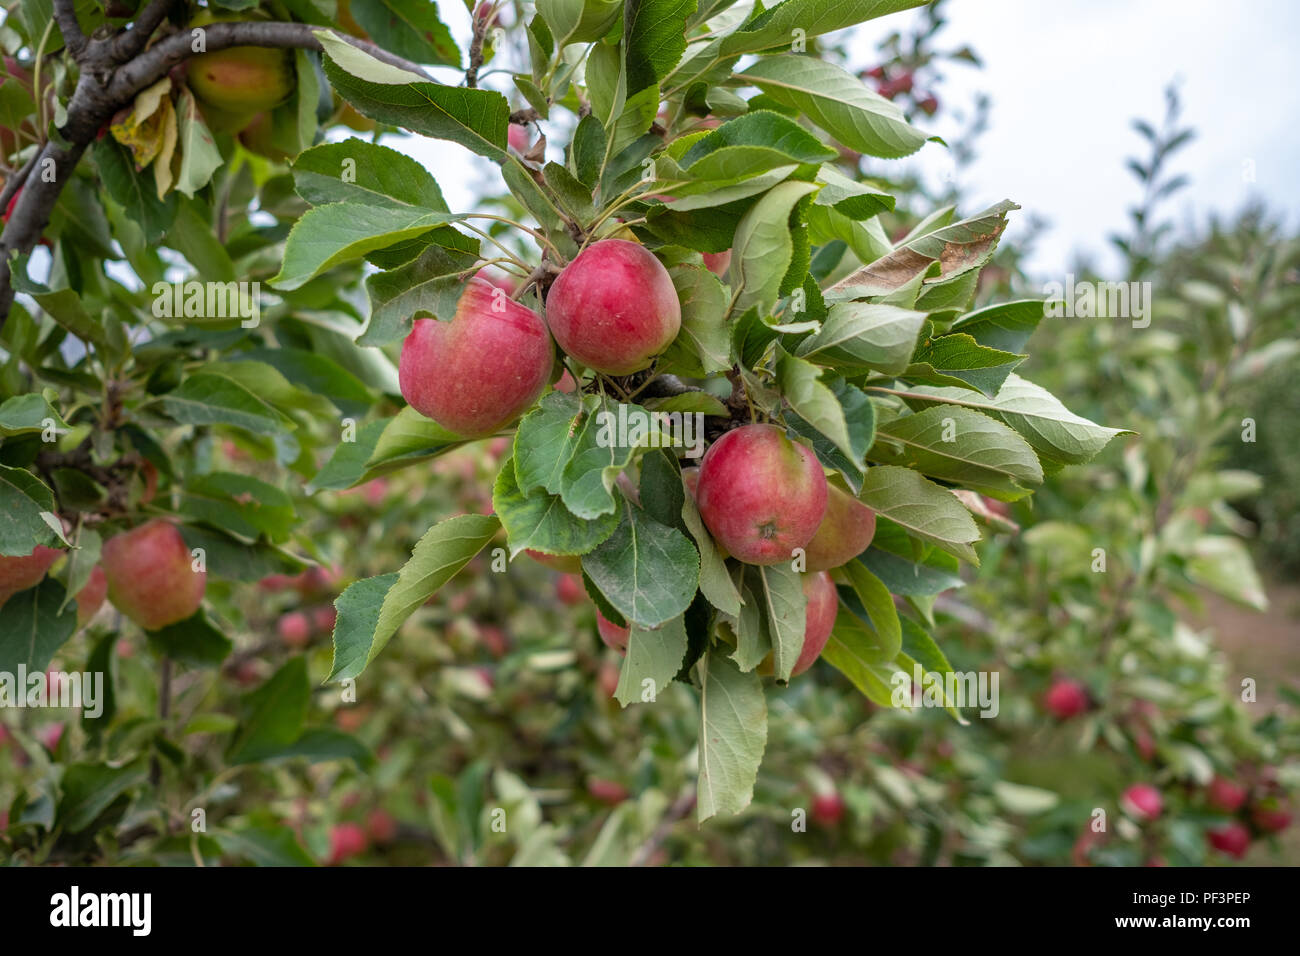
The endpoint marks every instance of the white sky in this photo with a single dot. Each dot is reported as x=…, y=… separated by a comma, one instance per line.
x=1066, y=77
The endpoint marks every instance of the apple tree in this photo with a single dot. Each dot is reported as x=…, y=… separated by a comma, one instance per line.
x=218, y=304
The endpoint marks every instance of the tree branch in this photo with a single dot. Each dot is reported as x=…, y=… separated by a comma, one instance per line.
x=129, y=43
x=476, y=46
x=153, y=64
x=65, y=15
x=98, y=96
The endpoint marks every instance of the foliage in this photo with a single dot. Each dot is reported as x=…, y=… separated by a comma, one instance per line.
x=855, y=314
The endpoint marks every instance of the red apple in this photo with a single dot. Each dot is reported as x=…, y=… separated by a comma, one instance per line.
x=717, y=262
x=91, y=596
x=827, y=809
x=494, y=639
x=845, y=532
x=517, y=137
x=607, y=678
x=1231, y=838
x=294, y=629
x=346, y=841
x=1065, y=699
x=24, y=571
x=569, y=590
x=1270, y=815
x=607, y=791
x=760, y=494
x=479, y=371
x=1225, y=795
x=819, y=618
x=50, y=735
x=613, y=635
x=151, y=577
x=614, y=308
x=323, y=619
x=565, y=383
x=381, y=826
x=1142, y=801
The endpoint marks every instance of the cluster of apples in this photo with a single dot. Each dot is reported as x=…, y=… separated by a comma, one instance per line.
x=146, y=573
x=613, y=308
x=763, y=497
x=1260, y=810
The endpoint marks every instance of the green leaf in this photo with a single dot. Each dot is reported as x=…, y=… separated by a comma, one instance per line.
x=588, y=148
x=775, y=607
x=715, y=582
x=579, y=21
x=240, y=504
x=209, y=724
x=893, y=558
x=598, y=457
x=1057, y=434
x=866, y=335
x=322, y=744
x=957, y=248
x=546, y=439
x=751, y=144
x=1006, y=326
x=198, y=151
x=957, y=359
x=852, y=650
x=649, y=572
x=210, y=399
x=195, y=641
x=89, y=789
x=408, y=437
x=703, y=345
x=652, y=655
x=437, y=557
x=849, y=197
x=653, y=39
x=878, y=604
x=134, y=192
x=1223, y=565
x=354, y=629
x=341, y=231
x=733, y=734
x=430, y=285
x=773, y=28
x=814, y=401
x=317, y=374
x=921, y=508
x=32, y=628
x=24, y=502
x=962, y=446
x=64, y=306
x=476, y=119
x=408, y=28
x=102, y=660
x=28, y=413
x=919, y=648
x=763, y=248
x=539, y=521
x=357, y=171
x=838, y=102
x=264, y=845
x=272, y=716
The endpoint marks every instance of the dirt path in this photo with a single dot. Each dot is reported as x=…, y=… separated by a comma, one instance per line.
x=1265, y=646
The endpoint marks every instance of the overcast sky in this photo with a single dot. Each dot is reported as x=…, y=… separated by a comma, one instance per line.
x=1066, y=77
